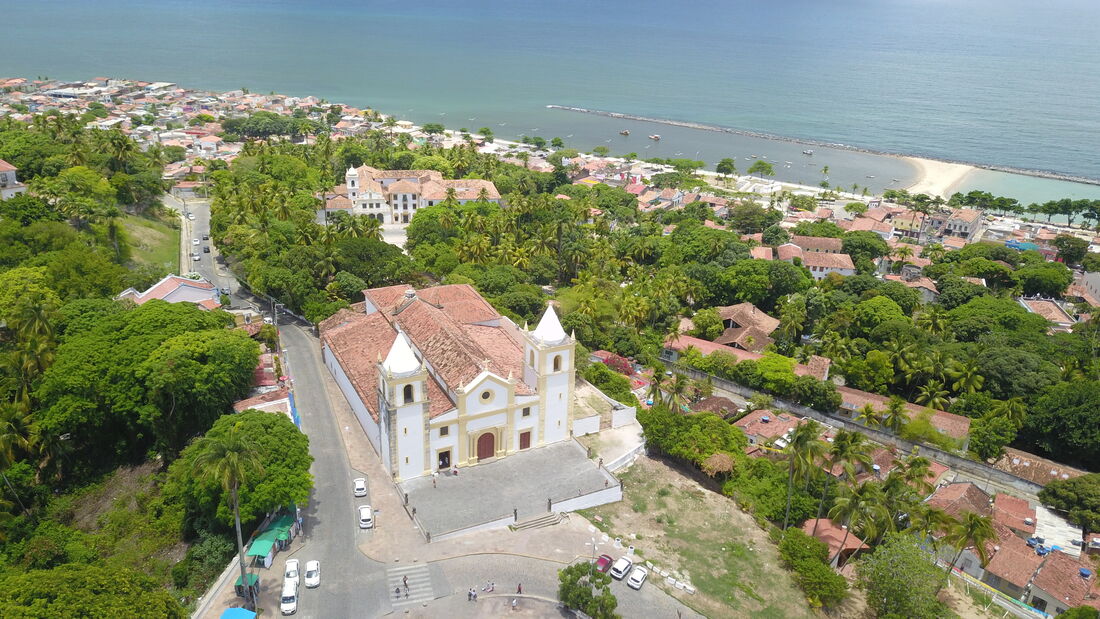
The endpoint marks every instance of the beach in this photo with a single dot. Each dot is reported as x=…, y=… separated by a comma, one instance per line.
x=937, y=178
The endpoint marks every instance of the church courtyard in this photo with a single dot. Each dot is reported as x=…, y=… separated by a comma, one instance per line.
x=523, y=482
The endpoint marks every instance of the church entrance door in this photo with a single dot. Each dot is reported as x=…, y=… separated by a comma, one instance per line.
x=486, y=446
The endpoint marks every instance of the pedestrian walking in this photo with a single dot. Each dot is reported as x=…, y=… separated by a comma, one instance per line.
x=475, y=596
x=514, y=602
x=397, y=592
x=519, y=589
x=405, y=581
x=470, y=594
x=406, y=592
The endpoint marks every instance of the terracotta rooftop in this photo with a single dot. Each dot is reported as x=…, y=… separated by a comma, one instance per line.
x=920, y=282
x=1014, y=513
x=955, y=426
x=278, y=400
x=1012, y=559
x=683, y=342
x=748, y=315
x=761, y=253
x=715, y=404
x=827, y=261
x=959, y=498
x=6, y=167
x=832, y=534
x=1060, y=576
x=818, y=243
x=767, y=425
x=1033, y=468
x=788, y=251
x=1049, y=310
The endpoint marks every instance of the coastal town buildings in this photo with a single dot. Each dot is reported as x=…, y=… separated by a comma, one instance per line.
x=393, y=196
x=9, y=182
x=439, y=379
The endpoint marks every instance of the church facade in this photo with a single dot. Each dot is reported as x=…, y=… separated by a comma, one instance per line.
x=438, y=378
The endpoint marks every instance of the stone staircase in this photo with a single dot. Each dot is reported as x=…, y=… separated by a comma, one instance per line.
x=547, y=520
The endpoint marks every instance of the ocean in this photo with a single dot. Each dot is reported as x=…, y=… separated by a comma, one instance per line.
x=1000, y=82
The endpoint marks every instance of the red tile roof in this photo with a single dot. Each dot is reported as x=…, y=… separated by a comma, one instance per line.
x=748, y=315
x=955, y=426
x=1012, y=560
x=832, y=534
x=1014, y=512
x=6, y=167
x=1060, y=576
x=827, y=261
x=818, y=243
x=272, y=400
x=761, y=253
x=1033, y=468
x=683, y=342
x=959, y=498
x=777, y=424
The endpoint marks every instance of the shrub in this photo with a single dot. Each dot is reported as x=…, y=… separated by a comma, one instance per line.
x=808, y=558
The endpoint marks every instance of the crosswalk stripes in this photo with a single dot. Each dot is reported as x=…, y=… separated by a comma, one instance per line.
x=419, y=581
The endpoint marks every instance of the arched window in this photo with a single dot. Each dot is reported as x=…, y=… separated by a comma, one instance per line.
x=408, y=394
x=557, y=363
x=532, y=361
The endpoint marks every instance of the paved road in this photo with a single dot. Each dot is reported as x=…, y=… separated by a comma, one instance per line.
x=351, y=584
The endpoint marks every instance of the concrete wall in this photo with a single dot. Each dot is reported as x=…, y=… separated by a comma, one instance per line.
x=592, y=499
x=369, y=426
x=954, y=461
x=588, y=425
x=625, y=460
x=623, y=416
x=499, y=523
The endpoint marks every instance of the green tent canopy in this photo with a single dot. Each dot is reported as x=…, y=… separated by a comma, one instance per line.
x=252, y=580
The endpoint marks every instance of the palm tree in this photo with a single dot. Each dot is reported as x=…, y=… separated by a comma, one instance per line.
x=869, y=417
x=230, y=460
x=16, y=432
x=677, y=392
x=929, y=521
x=805, y=446
x=896, y=415
x=858, y=506
x=1013, y=408
x=848, y=449
x=933, y=395
x=933, y=320
x=970, y=530
x=966, y=377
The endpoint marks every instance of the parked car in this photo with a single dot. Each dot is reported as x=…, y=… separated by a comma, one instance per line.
x=191, y=216
x=206, y=249
x=313, y=574
x=637, y=577
x=360, y=486
x=206, y=237
x=366, y=517
x=620, y=568
x=291, y=572
x=195, y=241
x=603, y=563
x=196, y=257
x=288, y=601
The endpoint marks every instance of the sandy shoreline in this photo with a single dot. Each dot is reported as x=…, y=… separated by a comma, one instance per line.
x=937, y=178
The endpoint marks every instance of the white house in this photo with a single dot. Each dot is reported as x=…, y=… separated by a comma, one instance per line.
x=437, y=378
x=393, y=196
x=9, y=184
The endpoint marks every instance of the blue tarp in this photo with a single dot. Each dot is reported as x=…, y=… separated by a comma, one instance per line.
x=238, y=613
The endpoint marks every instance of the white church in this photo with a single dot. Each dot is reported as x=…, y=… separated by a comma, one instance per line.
x=439, y=379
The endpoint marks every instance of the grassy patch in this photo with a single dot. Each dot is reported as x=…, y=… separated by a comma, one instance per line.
x=703, y=538
x=155, y=241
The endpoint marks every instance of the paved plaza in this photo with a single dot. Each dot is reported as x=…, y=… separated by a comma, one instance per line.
x=488, y=492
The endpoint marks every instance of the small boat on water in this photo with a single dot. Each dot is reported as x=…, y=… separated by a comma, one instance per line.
x=655, y=137
x=624, y=132
x=788, y=162
x=808, y=151
x=870, y=176
x=894, y=180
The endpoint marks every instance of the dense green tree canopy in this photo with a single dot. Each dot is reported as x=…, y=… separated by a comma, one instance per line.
x=84, y=591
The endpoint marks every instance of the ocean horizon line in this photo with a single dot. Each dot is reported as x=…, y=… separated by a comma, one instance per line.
x=1049, y=174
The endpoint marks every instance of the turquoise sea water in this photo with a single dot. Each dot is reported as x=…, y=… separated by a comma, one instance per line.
x=1003, y=82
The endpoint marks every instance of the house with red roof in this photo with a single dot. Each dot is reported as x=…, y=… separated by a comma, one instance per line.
x=176, y=289
x=841, y=542
x=1064, y=582
x=438, y=378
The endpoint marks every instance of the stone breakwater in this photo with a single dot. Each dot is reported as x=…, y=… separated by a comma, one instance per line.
x=782, y=138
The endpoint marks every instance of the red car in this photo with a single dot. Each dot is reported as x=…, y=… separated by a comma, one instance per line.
x=604, y=563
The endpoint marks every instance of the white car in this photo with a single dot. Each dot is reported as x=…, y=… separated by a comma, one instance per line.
x=288, y=601
x=366, y=517
x=313, y=574
x=196, y=258
x=620, y=568
x=637, y=577
x=195, y=241
x=360, y=486
x=191, y=216
x=291, y=571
